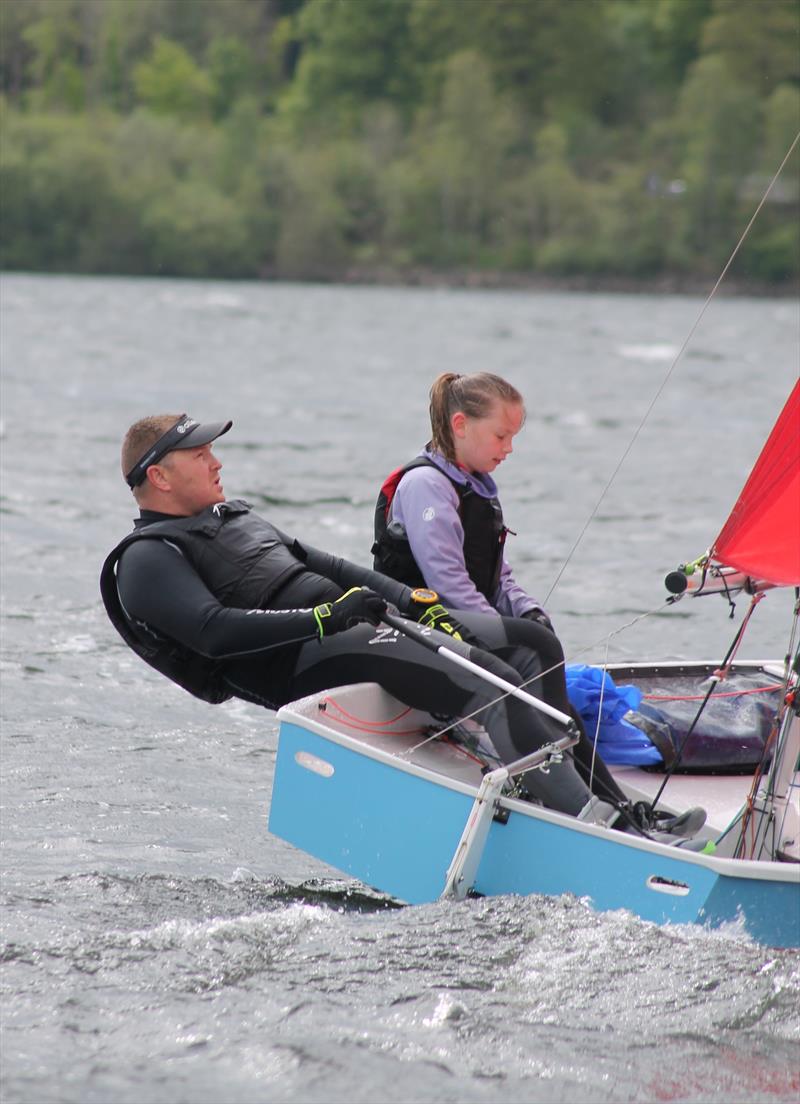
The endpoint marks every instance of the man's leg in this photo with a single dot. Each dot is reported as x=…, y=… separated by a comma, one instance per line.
x=433, y=683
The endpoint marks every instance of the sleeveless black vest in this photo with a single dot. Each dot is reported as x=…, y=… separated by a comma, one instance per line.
x=484, y=535
x=242, y=559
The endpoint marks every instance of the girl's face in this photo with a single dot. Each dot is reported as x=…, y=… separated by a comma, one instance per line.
x=483, y=443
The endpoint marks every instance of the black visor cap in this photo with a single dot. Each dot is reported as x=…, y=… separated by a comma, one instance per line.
x=186, y=433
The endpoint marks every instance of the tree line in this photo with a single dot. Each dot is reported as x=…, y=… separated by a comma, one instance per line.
x=324, y=139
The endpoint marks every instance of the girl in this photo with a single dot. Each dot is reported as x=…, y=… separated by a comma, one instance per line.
x=438, y=521
x=439, y=524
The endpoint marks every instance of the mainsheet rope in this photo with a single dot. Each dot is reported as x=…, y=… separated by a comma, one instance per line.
x=671, y=369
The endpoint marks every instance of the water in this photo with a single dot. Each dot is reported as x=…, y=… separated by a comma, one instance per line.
x=158, y=944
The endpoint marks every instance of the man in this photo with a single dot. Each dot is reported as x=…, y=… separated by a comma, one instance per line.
x=225, y=604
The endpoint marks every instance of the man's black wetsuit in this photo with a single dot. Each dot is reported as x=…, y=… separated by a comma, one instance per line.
x=273, y=655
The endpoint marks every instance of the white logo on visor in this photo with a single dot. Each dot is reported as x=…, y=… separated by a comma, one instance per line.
x=428, y=514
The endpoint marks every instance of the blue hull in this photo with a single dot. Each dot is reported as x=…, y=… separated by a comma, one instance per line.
x=396, y=827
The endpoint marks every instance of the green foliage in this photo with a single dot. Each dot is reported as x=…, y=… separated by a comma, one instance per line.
x=170, y=83
x=194, y=230
x=311, y=138
x=774, y=255
x=59, y=201
x=782, y=121
x=353, y=54
x=447, y=185
x=332, y=210
x=721, y=123
x=231, y=72
x=757, y=42
x=55, y=44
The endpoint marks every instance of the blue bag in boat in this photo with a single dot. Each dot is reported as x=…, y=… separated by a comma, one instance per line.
x=618, y=742
x=645, y=725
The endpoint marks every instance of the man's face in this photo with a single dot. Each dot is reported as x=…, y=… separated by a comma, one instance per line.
x=193, y=476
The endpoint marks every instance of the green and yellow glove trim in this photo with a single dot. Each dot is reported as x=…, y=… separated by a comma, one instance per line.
x=320, y=613
x=437, y=617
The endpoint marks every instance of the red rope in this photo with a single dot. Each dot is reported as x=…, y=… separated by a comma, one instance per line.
x=463, y=750
x=726, y=694
x=360, y=724
x=362, y=720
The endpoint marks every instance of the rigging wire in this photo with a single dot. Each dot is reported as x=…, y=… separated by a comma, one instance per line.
x=670, y=370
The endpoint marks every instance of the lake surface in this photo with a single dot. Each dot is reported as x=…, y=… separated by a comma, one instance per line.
x=158, y=943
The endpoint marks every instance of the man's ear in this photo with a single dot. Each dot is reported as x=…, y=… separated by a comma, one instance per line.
x=457, y=423
x=157, y=477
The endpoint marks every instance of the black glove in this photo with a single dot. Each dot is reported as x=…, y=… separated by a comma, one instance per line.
x=540, y=617
x=428, y=610
x=358, y=604
x=437, y=617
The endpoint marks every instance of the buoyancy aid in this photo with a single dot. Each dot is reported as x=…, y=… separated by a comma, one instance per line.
x=484, y=535
x=242, y=559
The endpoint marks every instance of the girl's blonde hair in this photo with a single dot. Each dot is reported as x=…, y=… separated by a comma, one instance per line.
x=473, y=395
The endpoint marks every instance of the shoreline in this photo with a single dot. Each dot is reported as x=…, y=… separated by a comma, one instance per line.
x=491, y=279
x=475, y=279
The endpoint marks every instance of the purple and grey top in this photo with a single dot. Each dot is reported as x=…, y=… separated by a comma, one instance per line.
x=425, y=509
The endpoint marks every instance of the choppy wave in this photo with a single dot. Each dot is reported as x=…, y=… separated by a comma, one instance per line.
x=525, y=999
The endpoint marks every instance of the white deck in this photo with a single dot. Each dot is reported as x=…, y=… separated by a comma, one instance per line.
x=405, y=738
x=402, y=734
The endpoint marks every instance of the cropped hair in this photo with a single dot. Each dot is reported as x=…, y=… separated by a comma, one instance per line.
x=473, y=395
x=141, y=436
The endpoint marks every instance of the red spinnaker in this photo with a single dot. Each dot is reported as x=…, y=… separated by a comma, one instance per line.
x=762, y=535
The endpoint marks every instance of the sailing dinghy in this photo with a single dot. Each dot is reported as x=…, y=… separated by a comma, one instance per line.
x=390, y=796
